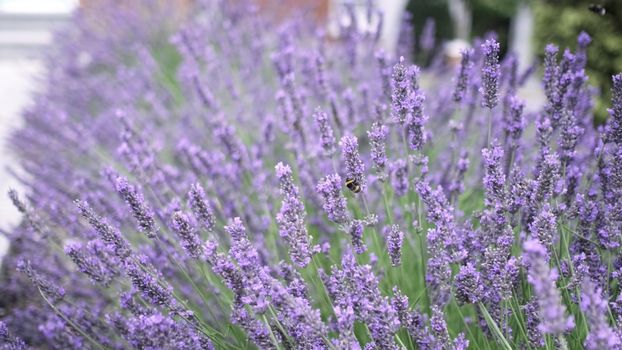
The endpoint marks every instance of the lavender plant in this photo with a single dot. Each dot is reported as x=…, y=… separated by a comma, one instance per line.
x=232, y=181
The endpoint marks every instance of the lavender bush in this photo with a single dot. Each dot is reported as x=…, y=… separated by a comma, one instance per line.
x=234, y=182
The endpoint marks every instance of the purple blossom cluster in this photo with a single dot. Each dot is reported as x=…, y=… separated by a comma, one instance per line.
x=232, y=181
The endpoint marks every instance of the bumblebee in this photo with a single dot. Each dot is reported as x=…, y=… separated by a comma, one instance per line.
x=353, y=185
x=597, y=9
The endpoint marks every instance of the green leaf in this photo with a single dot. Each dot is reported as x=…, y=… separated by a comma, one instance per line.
x=495, y=329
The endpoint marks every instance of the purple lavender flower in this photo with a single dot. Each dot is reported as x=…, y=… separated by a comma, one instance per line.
x=345, y=325
x=401, y=96
x=583, y=40
x=256, y=330
x=552, y=312
x=107, y=232
x=300, y=320
x=320, y=74
x=370, y=306
x=494, y=179
x=399, y=177
x=89, y=265
x=47, y=288
x=509, y=73
x=461, y=342
x=456, y=186
x=377, y=138
x=159, y=331
x=406, y=37
x=551, y=71
x=9, y=341
x=335, y=203
x=190, y=240
x=327, y=139
x=415, y=121
x=544, y=227
x=549, y=174
x=469, y=284
x=201, y=207
x=241, y=248
x=534, y=335
x=291, y=217
x=30, y=217
x=427, y=39
x=395, y=238
x=516, y=123
x=444, y=246
x=140, y=209
x=614, y=125
x=150, y=283
x=594, y=307
x=400, y=303
x=382, y=58
x=348, y=100
x=490, y=74
x=354, y=166
x=356, y=234
x=439, y=327
x=225, y=268
x=464, y=74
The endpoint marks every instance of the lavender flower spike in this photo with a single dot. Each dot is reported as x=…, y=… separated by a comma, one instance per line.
x=87, y=264
x=150, y=283
x=553, y=319
x=9, y=341
x=356, y=235
x=594, y=307
x=464, y=74
x=335, y=203
x=377, y=138
x=291, y=217
x=201, y=208
x=355, y=169
x=544, y=227
x=399, y=177
x=494, y=178
x=395, y=238
x=516, y=123
x=141, y=211
x=401, y=91
x=190, y=240
x=427, y=39
x=614, y=126
x=416, y=119
x=545, y=183
x=49, y=289
x=490, y=74
x=551, y=71
x=327, y=138
x=242, y=250
x=469, y=284
x=107, y=232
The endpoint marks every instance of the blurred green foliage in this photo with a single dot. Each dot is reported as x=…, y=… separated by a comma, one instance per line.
x=556, y=21
x=488, y=15
x=561, y=21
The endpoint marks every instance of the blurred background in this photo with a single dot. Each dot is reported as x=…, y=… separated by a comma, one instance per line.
x=26, y=29
x=419, y=29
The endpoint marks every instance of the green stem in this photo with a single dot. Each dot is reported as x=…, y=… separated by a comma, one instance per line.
x=272, y=336
x=71, y=323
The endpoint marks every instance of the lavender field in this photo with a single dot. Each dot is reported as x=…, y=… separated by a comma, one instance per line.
x=234, y=181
